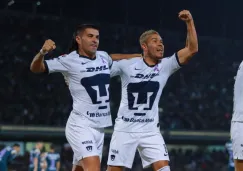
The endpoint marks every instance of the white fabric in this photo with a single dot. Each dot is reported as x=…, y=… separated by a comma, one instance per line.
x=142, y=86
x=84, y=141
x=237, y=139
x=89, y=81
x=123, y=146
x=238, y=95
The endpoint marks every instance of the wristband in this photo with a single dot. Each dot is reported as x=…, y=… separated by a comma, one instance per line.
x=42, y=52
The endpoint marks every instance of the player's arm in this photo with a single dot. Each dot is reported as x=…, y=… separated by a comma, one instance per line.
x=35, y=164
x=37, y=64
x=45, y=164
x=117, y=56
x=58, y=165
x=115, y=69
x=191, y=47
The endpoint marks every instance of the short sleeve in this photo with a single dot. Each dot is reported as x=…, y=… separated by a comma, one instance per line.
x=56, y=65
x=172, y=63
x=58, y=157
x=115, y=69
x=36, y=153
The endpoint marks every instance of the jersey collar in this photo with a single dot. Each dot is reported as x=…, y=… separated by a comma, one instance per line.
x=150, y=65
x=83, y=56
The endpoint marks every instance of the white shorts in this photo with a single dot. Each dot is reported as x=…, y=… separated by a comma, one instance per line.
x=237, y=139
x=123, y=146
x=84, y=141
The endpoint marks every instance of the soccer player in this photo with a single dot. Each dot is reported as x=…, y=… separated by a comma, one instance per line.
x=52, y=160
x=7, y=155
x=35, y=157
x=143, y=79
x=237, y=121
x=231, y=165
x=42, y=161
x=88, y=74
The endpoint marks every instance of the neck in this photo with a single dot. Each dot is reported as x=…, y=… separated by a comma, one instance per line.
x=149, y=60
x=83, y=53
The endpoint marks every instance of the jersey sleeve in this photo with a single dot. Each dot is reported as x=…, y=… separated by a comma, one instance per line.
x=58, y=157
x=173, y=64
x=56, y=65
x=36, y=153
x=115, y=69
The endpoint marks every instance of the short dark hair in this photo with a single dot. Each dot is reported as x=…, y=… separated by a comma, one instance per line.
x=52, y=147
x=16, y=145
x=80, y=28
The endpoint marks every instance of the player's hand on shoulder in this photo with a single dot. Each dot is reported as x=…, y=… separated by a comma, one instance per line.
x=185, y=15
x=48, y=46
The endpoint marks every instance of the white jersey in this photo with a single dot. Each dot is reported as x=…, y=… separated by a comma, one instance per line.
x=238, y=95
x=89, y=81
x=142, y=86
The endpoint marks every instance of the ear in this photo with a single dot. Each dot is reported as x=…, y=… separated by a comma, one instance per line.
x=144, y=47
x=78, y=39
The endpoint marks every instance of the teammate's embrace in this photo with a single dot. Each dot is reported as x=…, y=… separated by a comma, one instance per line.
x=88, y=74
x=143, y=79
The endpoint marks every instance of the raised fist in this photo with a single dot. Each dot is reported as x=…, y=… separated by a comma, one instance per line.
x=185, y=15
x=48, y=46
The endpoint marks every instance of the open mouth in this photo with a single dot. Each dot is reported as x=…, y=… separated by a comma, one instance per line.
x=94, y=46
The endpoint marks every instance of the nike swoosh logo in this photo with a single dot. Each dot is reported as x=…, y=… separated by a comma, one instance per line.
x=84, y=63
x=165, y=154
x=137, y=69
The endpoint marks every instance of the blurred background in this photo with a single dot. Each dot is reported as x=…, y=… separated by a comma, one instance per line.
x=196, y=105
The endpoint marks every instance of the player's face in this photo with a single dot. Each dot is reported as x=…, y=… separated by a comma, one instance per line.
x=154, y=46
x=17, y=149
x=40, y=145
x=88, y=41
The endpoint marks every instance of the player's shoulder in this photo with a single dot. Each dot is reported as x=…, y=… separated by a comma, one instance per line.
x=169, y=57
x=57, y=155
x=129, y=61
x=8, y=148
x=36, y=151
x=241, y=65
x=68, y=56
x=240, y=69
x=103, y=54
